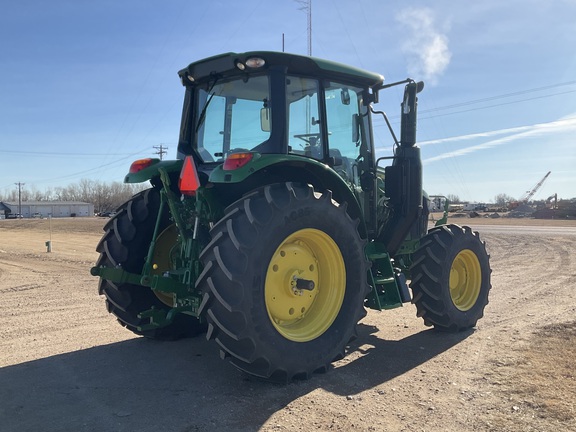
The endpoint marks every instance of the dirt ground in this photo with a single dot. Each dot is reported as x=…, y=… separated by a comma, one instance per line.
x=66, y=365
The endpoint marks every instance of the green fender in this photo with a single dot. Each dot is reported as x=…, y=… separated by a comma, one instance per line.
x=152, y=171
x=266, y=169
x=274, y=168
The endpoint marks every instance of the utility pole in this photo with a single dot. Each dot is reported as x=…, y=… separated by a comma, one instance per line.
x=19, y=184
x=161, y=150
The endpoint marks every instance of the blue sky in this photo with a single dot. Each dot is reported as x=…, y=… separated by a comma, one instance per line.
x=86, y=87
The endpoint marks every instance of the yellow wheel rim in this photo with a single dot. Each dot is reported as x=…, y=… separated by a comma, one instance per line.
x=465, y=280
x=161, y=261
x=310, y=258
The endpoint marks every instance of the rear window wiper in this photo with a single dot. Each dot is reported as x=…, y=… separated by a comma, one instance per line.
x=202, y=115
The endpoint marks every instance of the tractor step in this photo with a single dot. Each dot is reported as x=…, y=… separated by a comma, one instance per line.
x=389, y=286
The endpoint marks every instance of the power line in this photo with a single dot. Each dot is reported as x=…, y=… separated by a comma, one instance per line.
x=477, y=101
x=82, y=173
x=497, y=105
x=59, y=154
x=506, y=95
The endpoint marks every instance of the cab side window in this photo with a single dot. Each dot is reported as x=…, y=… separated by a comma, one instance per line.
x=304, y=136
x=344, y=121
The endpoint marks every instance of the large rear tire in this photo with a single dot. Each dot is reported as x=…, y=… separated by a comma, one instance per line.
x=451, y=278
x=284, y=281
x=125, y=244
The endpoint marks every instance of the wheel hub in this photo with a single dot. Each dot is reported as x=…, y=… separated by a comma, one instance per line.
x=305, y=285
x=292, y=263
x=465, y=280
x=161, y=259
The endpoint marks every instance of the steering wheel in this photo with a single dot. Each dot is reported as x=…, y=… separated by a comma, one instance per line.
x=311, y=139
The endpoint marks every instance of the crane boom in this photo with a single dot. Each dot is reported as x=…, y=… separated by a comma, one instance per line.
x=529, y=194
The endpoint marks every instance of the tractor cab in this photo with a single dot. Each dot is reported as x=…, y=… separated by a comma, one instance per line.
x=266, y=117
x=275, y=103
x=282, y=117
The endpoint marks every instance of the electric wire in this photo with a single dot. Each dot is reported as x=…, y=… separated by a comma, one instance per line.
x=65, y=154
x=490, y=98
x=395, y=118
x=452, y=168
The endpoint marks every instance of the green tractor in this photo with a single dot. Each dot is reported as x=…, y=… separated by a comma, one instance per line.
x=276, y=227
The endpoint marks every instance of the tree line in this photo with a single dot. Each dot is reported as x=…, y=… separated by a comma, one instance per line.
x=500, y=200
x=105, y=196
x=109, y=196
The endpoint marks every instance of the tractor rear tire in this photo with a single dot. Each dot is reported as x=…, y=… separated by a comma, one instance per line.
x=451, y=278
x=284, y=282
x=125, y=244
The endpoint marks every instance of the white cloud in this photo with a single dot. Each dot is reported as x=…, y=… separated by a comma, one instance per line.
x=476, y=135
x=565, y=124
x=426, y=45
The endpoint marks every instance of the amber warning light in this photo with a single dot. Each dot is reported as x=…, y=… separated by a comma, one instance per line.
x=236, y=160
x=140, y=164
x=189, y=181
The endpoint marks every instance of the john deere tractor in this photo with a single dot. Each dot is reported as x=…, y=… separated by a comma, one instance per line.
x=276, y=227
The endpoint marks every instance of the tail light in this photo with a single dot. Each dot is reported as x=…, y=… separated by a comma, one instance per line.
x=140, y=164
x=237, y=160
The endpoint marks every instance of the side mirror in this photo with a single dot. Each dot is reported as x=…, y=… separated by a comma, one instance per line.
x=345, y=97
x=265, y=119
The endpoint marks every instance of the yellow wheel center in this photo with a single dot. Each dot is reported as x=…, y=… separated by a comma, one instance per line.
x=161, y=261
x=309, y=258
x=465, y=280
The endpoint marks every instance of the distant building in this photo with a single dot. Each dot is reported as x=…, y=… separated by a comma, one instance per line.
x=3, y=210
x=474, y=207
x=46, y=208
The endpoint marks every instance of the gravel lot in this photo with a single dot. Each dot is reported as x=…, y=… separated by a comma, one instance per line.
x=66, y=365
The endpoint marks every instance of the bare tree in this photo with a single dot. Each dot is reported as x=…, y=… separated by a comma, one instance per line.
x=454, y=199
x=104, y=196
x=502, y=199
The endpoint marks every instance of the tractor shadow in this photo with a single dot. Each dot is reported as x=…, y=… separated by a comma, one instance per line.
x=382, y=360
x=145, y=385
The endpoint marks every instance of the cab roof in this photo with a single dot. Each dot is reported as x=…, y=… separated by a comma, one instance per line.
x=227, y=65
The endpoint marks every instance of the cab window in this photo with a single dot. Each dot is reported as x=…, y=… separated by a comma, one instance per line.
x=344, y=122
x=229, y=117
x=304, y=136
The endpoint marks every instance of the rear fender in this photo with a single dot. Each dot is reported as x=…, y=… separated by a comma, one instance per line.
x=153, y=171
x=267, y=169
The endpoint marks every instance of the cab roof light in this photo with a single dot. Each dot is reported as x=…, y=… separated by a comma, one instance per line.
x=140, y=164
x=237, y=160
x=189, y=181
x=255, y=62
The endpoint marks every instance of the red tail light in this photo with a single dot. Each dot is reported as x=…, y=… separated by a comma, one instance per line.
x=236, y=160
x=140, y=164
x=189, y=181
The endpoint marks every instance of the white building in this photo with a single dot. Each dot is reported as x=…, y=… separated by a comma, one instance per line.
x=47, y=208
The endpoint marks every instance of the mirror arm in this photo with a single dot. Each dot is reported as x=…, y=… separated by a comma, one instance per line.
x=396, y=142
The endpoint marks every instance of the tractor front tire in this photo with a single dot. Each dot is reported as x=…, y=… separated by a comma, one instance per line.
x=125, y=244
x=451, y=278
x=284, y=282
